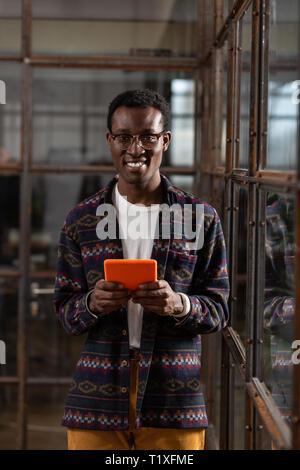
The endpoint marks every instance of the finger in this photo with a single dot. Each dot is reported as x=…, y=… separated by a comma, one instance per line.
x=101, y=294
x=153, y=285
x=109, y=286
x=161, y=293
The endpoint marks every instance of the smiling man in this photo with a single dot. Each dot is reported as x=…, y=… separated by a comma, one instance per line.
x=137, y=382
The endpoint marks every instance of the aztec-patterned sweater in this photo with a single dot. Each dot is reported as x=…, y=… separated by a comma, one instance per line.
x=169, y=383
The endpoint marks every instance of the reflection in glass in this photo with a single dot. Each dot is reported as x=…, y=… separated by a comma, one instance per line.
x=133, y=27
x=9, y=220
x=283, y=100
x=70, y=110
x=10, y=114
x=279, y=299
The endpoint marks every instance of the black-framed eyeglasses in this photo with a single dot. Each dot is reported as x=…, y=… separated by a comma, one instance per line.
x=146, y=141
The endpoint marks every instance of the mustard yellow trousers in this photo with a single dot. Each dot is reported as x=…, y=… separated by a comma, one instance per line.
x=138, y=439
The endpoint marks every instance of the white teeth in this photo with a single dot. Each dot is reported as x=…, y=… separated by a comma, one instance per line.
x=132, y=164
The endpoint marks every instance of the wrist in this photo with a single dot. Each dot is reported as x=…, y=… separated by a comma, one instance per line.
x=184, y=310
x=90, y=306
x=179, y=307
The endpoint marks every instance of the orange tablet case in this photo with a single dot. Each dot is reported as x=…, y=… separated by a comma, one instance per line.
x=130, y=272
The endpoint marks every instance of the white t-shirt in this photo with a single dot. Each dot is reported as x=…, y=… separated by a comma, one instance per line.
x=137, y=225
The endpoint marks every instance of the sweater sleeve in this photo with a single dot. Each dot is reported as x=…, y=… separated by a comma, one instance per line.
x=71, y=286
x=210, y=285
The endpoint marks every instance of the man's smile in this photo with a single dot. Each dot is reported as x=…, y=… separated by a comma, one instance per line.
x=136, y=165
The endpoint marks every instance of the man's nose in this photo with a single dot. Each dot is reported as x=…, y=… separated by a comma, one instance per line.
x=135, y=146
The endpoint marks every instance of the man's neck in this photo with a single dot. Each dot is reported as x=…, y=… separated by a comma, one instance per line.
x=141, y=195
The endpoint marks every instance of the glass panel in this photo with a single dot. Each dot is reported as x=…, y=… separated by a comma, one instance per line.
x=246, y=39
x=239, y=411
x=133, y=27
x=217, y=401
x=263, y=440
x=182, y=122
x=283, y=109
x=279, y=299
x=10, y=27
x=45, y=411
x=47, y=342
x=240, y=247
x=10, y=120
x=8, y=416
x=9, y=221
x=224, y=104
x=8, y=326
x=53, y=196
x=70, y=109
x=184, y=182
x=227, y=7
x=284, y=84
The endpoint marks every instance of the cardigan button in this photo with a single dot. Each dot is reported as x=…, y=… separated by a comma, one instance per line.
x=124, y=363
x=123, y=389
x=124, y=332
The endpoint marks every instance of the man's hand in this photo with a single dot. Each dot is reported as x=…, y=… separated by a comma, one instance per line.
x=158, y=297
x=108, y=296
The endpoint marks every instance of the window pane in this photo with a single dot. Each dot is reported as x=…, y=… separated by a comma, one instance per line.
x=9, y=221
x=224, y=103
x=8, y=417
x=283, y=101
x=53, y=197
x=246, y=25
x=45, y=411
x=8, y=326
x=239, y=412
x=51, y=352
x=279, y=299
x=70, y=110
x=156, y=28
x=10, y=116
x=282, y=120
x=183, y=182
x=10, y=27
x=240, y=247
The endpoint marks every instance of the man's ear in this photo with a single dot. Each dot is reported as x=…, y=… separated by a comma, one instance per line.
x=167, y=139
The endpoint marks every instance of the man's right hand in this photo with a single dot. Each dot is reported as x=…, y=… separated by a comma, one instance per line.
x=108, y=296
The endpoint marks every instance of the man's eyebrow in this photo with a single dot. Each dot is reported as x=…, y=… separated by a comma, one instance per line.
x=152, y=131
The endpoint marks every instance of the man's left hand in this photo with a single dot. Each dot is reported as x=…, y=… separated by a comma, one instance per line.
x=158, y=297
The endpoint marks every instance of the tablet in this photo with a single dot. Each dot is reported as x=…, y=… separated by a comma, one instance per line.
x=130, y=272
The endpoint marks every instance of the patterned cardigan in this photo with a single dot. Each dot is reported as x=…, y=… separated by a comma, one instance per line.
x=169, y=383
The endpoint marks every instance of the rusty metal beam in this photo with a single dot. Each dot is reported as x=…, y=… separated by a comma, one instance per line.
x=268, y=411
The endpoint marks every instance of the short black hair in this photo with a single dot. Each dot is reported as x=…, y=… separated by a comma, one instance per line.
x=141, y=98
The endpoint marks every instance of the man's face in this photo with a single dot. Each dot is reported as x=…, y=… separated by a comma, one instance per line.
x=137, y=121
